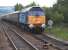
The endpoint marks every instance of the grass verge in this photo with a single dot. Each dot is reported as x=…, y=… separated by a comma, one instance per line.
x=58, y=32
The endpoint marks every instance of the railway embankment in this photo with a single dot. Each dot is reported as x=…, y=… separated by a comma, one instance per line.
x=58, y=43
x=58, y=39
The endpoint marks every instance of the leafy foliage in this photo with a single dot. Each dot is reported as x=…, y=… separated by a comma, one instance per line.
x=63, y=8
x=59, y=12
x=18, y=7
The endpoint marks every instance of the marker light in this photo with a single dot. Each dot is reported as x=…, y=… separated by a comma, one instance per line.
x=31, y=25
x=43, y=25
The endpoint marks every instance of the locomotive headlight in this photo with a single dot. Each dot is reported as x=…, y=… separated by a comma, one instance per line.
x=43, y=25
x=31, y=25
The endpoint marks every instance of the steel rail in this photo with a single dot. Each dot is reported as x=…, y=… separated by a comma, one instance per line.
x=23, y=38
x=9, y=38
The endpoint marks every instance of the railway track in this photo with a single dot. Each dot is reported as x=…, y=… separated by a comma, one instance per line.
x=36, y=41
x=18, y=42
x=57, y=44
x=7, y=45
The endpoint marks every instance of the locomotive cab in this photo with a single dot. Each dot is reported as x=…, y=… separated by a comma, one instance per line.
x=36, y=19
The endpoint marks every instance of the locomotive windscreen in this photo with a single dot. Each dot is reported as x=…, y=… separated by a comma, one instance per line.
x=36, y=13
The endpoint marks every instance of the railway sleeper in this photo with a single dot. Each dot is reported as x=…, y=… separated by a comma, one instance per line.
x=46, y=45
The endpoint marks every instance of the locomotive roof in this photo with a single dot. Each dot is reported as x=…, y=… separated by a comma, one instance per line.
x=30, y=8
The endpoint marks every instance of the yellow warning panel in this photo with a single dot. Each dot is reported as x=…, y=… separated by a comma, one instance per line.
x=36, y=20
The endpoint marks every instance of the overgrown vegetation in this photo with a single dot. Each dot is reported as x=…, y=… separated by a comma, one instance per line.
x=59, y=12
x=18, y=7
x=58, y=32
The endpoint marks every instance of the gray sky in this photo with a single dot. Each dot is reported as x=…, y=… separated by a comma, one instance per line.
x=47, y=3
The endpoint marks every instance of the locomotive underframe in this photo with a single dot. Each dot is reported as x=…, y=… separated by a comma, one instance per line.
x=35, y=30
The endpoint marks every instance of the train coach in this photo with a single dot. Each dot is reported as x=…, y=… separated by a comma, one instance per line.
x=32, y=19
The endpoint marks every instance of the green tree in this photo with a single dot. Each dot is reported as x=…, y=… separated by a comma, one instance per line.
x=57, y=17
x=54, y=15
x=18, y=7
x=59, y=11
x=31, y=4
x=62, y=7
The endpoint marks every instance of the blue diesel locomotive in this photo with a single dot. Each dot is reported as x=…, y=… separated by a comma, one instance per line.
x=32, y=19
